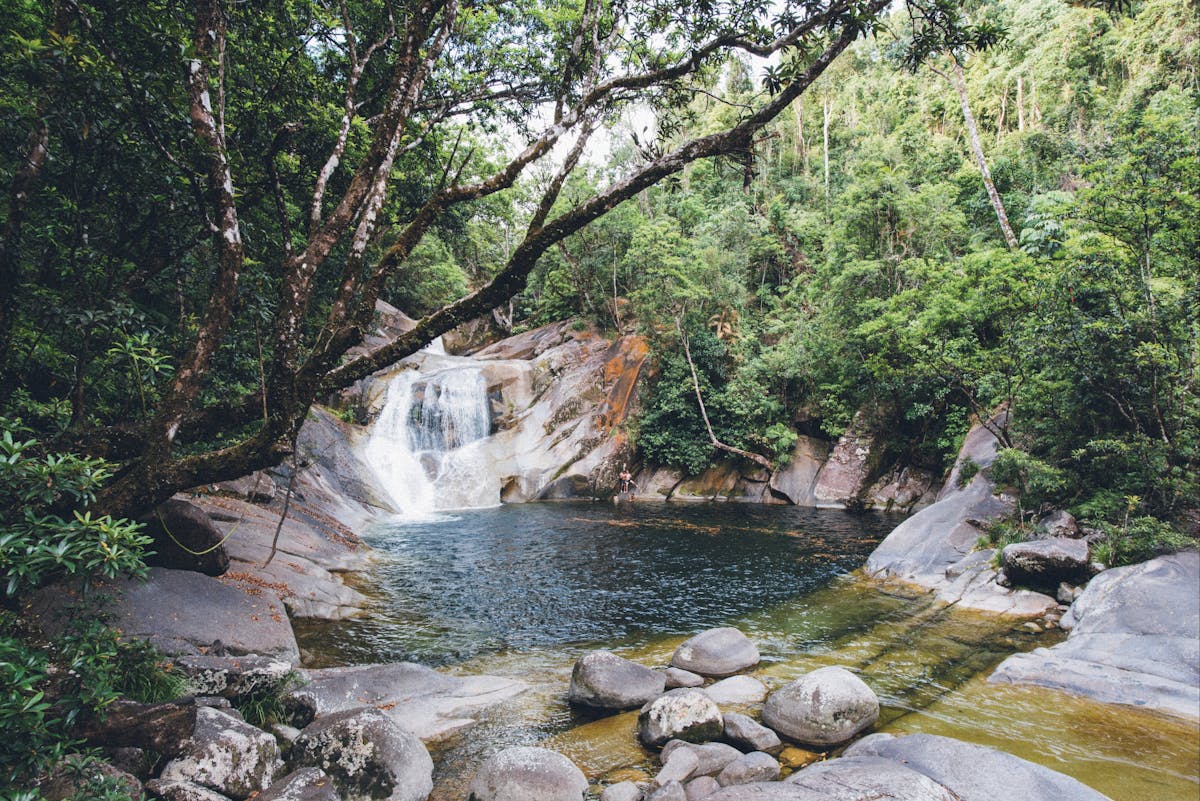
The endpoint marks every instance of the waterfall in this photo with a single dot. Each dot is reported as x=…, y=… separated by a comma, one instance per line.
x=428, y=445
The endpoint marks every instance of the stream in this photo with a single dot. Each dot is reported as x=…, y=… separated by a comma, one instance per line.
x=524, y=590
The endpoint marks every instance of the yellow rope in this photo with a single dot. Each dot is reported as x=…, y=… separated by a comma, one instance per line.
x=223, y=540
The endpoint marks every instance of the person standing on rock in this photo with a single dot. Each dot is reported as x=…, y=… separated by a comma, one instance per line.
x=626, y=480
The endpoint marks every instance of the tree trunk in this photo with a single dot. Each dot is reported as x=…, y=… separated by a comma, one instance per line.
x=825, y=107
x=960, y=85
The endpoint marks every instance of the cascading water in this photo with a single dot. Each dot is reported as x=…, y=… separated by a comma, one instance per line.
x=428, y=445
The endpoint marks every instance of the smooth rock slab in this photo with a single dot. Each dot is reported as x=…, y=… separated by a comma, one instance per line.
x=825, y=707
x=528, y=774
x=683, y=714
x=367, y=755
x=431, y=705
x=226, y=755
x=749, y=735
x=737, y=690
x=604, y=680
x=975, y=772
x=748, y=768
x=1134, y=640
x=866, y=778
x=716, y=652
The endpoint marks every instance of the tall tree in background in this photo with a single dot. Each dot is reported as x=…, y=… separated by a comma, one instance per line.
x=323, y=141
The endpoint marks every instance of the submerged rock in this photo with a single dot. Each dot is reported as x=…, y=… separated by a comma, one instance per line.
x=604, y=680
x=528, y=774
x=716, y=652
x=825, y=707
x=974, y=772
x=367, y=756
x=683, y=714
x=737, y=690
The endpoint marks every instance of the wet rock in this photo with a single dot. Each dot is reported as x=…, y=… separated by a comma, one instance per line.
x=684, y=714
x=225, y=754
x=701, y=787
x=796, y=758
x=431, y=705
x=367, y=756
x=70, y=776
x=737, y=690
x=753, y=767
x=1060, y=524
x=679, y=767
x=716, y=652
x=1047, y=563
x=234, y=676
x=604, y=680
x=747, y=734
x=825, y=707
x=668, y=792
x=676, y=678
x=713, y=757
x=169, y=790
x=866, y=778
x=851, y=464
x=528, y=774
x=974, y=772
x=621, y=791
x=306, y=784
x=1134, y=640
x=795, y=480
x=185, y=538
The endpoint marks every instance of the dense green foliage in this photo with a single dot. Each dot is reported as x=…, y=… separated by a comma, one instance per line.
x=880, y=283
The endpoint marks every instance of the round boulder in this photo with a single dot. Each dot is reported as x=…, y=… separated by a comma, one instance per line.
x=825, y=707
x=606, y=681
x=368, y=757
x=753, y=767
x=185, y=538
x=525, y=773
x=683, y=714
x=1047, y=563
x=716, y=652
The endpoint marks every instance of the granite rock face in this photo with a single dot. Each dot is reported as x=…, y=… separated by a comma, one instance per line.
x=185, y=538
x=226, y=755
x=683, y=714
x=974, y=772
x=1134, y=640
x=1047, y=563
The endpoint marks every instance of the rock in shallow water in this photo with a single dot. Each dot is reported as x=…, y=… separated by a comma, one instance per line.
x=676, y=678
x=716, y=652
x=528, y=774
x=683, y=714
x=753, y=767
x=866, y=778
x=749, y=735
x=825, y=707
x=737, y=690
x=606, y=681
x=713, y=757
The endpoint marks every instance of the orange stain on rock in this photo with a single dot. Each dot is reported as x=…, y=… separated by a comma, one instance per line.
x=622, y=368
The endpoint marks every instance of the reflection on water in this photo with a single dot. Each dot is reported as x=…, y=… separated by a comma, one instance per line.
x=523, y=591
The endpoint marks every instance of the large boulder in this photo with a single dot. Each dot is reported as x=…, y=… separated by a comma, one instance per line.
x=185, y=538
x=716, y=652
x=1134, y=640
x=306, y=784
x=604, y=680
x=367, y=756
x=166, y=729
x=1047, y=563
x=825, y=707
x=225, y=754
x=430, y=704
x=974, y=772
x=528, y=774
x=683, y=714
x=851, y=465
x=183, y=612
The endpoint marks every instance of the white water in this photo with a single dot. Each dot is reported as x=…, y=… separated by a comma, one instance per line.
x=428, y=446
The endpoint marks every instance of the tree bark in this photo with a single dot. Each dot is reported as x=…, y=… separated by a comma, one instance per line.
x=960, y=86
